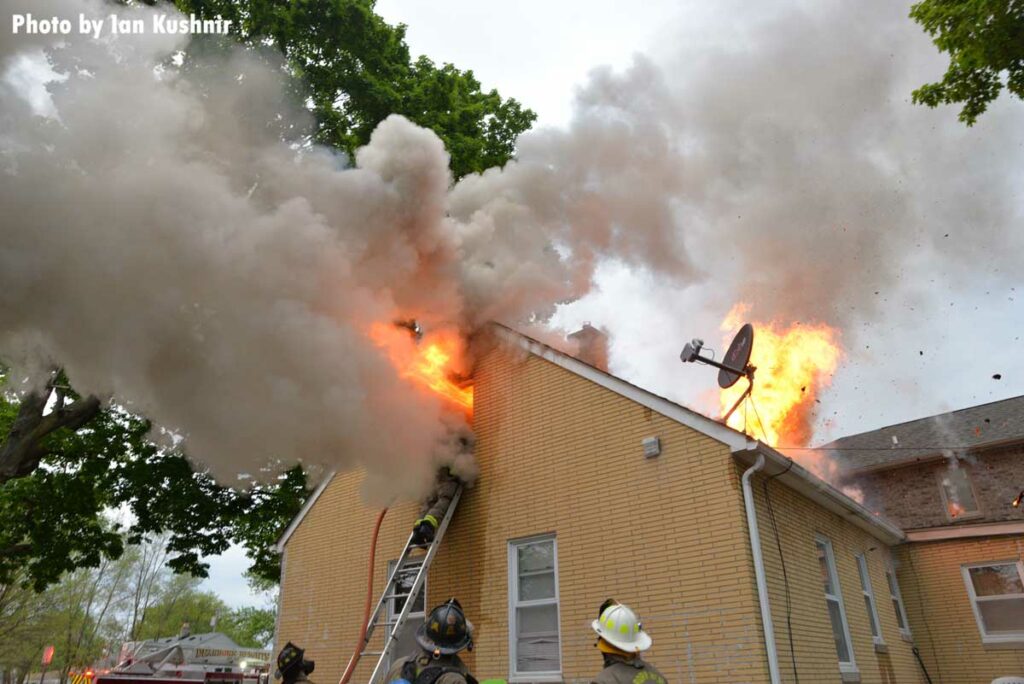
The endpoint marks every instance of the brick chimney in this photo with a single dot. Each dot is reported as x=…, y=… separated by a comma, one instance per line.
x=592, y=346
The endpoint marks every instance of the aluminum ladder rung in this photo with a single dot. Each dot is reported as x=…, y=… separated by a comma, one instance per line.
x=390, y=591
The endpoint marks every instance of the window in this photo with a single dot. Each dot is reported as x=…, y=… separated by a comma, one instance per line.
x=534, y=643
x=869, y=598
x=406, y=639
x=997, y=595
x=897, y=601
x=957, y=493
x=834, y=602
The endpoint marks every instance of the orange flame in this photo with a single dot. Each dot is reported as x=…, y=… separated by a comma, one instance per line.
x=793, y=364
x=955, y=509
x=431, y=362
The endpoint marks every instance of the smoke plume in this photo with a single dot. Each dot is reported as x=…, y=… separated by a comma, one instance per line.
x=168, y=249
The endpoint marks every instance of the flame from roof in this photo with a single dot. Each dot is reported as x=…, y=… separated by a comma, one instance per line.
x=432, y=362
x=794, y=363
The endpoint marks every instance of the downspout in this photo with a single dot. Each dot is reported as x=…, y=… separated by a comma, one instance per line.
x=762, y=583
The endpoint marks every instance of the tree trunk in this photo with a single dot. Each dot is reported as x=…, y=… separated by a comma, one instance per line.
x=23, y=449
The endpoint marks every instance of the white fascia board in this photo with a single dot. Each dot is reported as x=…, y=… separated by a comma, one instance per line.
x=799, y=479
x=294, y=524
x=712, y=428
x=965, y=531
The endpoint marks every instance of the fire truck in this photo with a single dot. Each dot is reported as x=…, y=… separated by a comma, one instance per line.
x=211, y=658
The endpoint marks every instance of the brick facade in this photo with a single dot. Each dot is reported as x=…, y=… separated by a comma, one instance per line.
x=910, y=495
x=940, y=611
x=561, y=455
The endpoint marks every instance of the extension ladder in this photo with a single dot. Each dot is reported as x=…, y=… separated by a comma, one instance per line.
x=391, y=592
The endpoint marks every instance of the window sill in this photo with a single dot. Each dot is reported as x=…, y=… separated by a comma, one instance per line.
x=1016, y=643
x=881, y=647
x=906, y=636
x=540, y=678
x=850, y=676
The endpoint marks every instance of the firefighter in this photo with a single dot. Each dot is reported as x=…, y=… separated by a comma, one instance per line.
x=435, y=506
x=292, y=667
x=621, y=638
x=445, y=633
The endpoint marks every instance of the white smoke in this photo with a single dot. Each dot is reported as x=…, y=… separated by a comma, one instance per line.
x=164, y=245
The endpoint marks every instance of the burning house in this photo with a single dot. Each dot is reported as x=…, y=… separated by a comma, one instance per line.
x=952, y=482
x=591, y=487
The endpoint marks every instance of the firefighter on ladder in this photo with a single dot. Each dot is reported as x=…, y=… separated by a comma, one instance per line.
x=445, y=633
x=435, y=506
x=621, y=638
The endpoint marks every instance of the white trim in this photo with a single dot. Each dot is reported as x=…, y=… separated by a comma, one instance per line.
x=868, y=591
x=896, y=598
x=712, y=428
x=513, y=603
x=989, y=639
x=848, y=666
x=294, y=524
x=799, y=479
x=965, y=531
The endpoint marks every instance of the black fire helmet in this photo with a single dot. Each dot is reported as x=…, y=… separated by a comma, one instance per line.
x=446, y=630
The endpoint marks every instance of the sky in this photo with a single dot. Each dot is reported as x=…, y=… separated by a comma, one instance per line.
x=931, y=347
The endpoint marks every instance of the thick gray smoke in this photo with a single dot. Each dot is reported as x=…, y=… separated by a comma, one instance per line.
x=163, y=245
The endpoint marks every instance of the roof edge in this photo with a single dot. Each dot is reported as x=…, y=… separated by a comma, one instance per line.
x=946, y=532
x=801, y=480
x=300, y=516
x=688, y=417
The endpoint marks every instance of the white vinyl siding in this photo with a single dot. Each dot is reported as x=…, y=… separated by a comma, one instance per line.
x=897, y=601
x=535, y=653
x=996, y=591
x=869, y=599
x=834, y=604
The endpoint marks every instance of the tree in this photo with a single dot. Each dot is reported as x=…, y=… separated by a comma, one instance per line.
x=52, y=520
x=356, y=70
x=985, y=43
x=249, y=626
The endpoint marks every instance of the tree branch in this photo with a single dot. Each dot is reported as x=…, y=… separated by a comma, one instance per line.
x=23, y=449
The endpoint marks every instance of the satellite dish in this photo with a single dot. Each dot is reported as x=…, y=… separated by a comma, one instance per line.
x=734, y=364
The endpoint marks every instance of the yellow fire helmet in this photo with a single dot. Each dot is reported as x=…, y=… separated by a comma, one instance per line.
x=621, y=627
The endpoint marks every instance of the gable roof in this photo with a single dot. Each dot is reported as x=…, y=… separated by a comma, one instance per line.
x=743, y=447
x=970, y=429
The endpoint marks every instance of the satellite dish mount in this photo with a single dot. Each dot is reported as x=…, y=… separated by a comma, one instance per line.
x=735, y=364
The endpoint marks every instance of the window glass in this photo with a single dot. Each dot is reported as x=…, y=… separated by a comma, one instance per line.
x=834, y=604
x=533, y=585
x=959, y=495
x=995, y=580
x=869, y=596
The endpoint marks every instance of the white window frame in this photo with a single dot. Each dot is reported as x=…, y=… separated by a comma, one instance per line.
x=869, y=595
x=392, y=614
x=845, y=667
x=897, y=599
x=967, y=515
x=1013, y=638
x=514, y=603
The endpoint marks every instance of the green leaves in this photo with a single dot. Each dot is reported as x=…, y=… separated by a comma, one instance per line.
x=357, y=70
x=985, y=41
x=55, y=520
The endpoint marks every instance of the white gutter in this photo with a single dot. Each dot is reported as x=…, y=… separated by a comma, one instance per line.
x=762, y=583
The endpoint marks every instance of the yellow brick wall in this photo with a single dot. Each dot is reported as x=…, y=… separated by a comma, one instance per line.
x=558, y=454
x=940, y=611
x=799, y=520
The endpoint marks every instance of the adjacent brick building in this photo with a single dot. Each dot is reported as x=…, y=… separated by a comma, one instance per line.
x=569, y=510
x=949, y=481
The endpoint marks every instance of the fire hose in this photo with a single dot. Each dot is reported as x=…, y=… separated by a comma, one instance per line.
x=354, y=660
